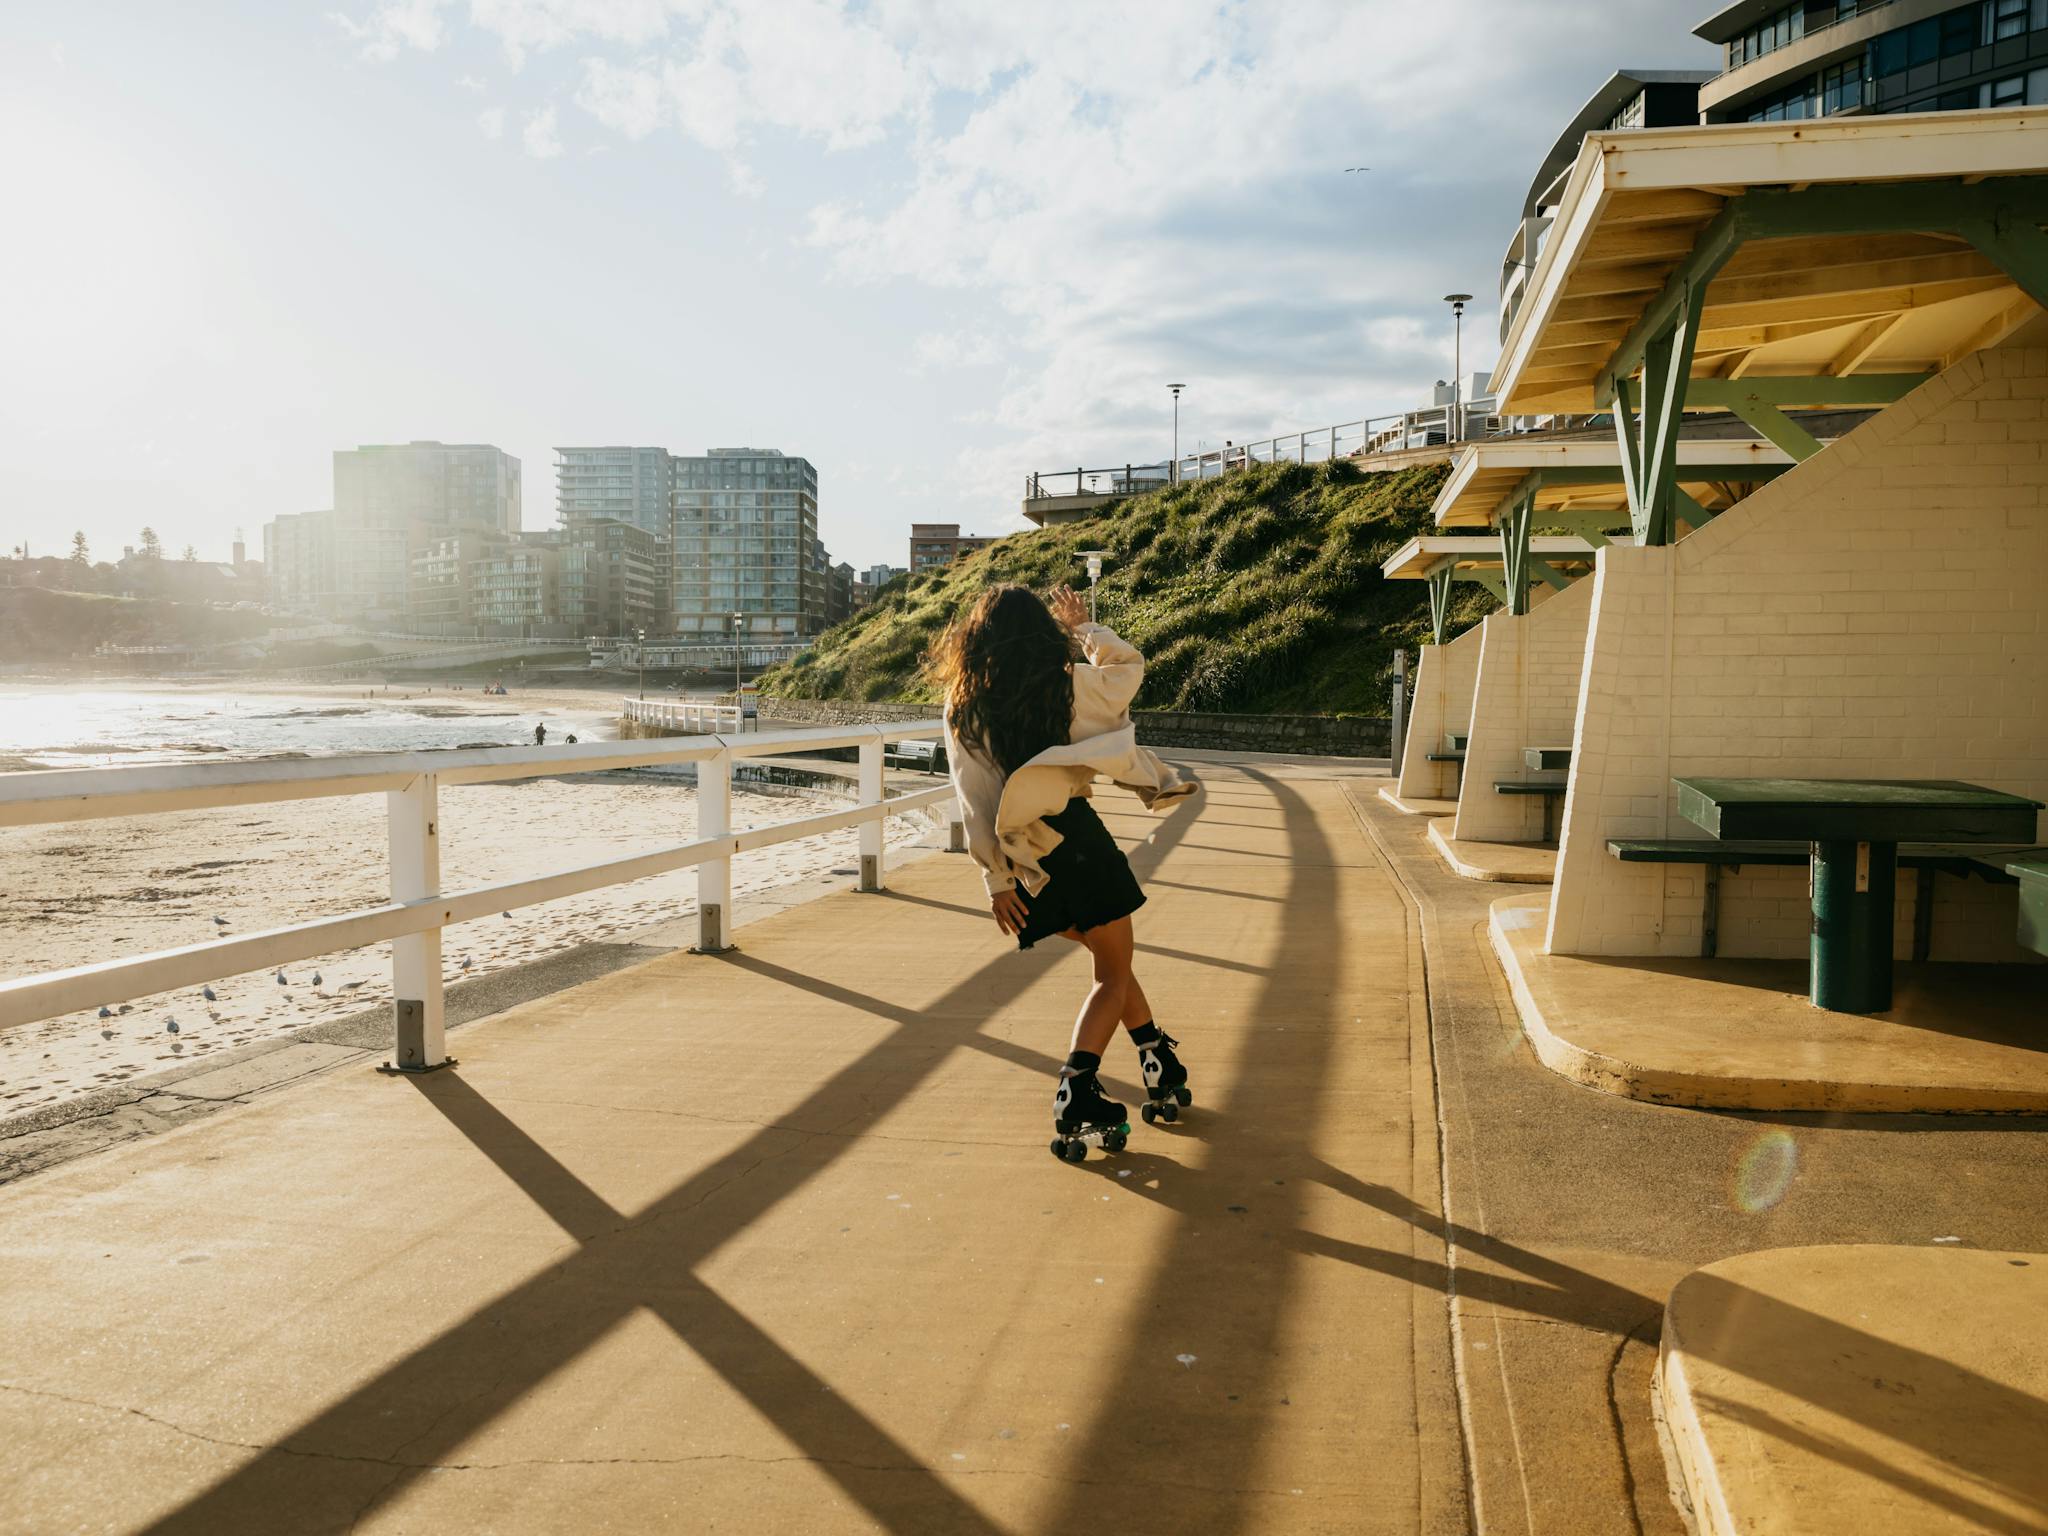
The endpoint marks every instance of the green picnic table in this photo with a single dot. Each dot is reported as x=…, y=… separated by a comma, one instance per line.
x=1853, y=828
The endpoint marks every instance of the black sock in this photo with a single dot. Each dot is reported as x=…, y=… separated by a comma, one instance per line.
x=1146, y=1033
x=1079, y=1062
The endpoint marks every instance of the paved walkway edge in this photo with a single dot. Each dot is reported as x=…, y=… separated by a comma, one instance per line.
x=1516, y=863
x=1392, y=796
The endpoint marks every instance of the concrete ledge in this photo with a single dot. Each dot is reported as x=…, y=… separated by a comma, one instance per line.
x=1843, y=1391
x=1740, y=1034
x=1416, y=805
x=1525, y=863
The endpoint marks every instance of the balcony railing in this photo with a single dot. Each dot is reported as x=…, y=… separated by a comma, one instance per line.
x=419, y=909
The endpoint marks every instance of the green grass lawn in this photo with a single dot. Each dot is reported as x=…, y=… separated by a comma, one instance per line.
x=1258, y=593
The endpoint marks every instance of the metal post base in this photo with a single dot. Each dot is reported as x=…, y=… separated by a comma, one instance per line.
x=711, y=935
x=870, y=872
x=1854, y=886
x=956, y=838
x=386, y=1069
x=409, y=1045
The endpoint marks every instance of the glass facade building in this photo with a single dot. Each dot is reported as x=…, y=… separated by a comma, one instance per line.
x=744, y=539
x=1817, y=58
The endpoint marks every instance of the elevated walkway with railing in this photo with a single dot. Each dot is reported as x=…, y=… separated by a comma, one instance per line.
x=768, y=1237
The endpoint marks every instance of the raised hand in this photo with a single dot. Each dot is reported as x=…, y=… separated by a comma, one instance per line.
x=1068, y=606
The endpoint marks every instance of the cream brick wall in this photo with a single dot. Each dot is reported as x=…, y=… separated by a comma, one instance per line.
x=1443, y=701
x=1526, y=695
x=1881, y=611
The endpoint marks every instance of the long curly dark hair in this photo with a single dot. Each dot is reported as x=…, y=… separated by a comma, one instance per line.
x=1005, y=666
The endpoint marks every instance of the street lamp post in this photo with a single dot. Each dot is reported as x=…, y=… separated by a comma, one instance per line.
x=1094, y=557
x=641, y=635
x=1174, y=477
x=1457, y=301
x=737, y=723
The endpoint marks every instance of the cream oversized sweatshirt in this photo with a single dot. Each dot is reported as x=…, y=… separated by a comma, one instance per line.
x=1006, y=829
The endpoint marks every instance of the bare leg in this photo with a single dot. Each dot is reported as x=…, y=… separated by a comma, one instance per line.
x=1109, y=946
x=1137, y=1008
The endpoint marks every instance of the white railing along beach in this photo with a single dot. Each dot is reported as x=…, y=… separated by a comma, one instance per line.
x=696, y=715
x=419, y=909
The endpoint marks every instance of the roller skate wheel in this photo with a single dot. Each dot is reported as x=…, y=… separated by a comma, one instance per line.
x=1169, y=1112
x=1148, y=1113
x=1116, y=1141
x=1059, y=1149
x=1184, y=1096
x=1076, y=1152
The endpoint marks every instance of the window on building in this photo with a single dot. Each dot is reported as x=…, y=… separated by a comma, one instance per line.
x=2006, y=93
x=2007, y=18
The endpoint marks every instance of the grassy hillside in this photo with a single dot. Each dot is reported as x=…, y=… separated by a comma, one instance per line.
x=1259, y=593
x=40, y=625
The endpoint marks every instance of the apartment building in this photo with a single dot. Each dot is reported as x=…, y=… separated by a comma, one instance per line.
x=612, y=578
x=298, y=561
x=744, y=539
x=936, y=544
x=1817, y=58
x=441, y=595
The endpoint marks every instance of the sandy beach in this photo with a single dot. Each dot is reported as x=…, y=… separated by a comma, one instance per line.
x=93, y=890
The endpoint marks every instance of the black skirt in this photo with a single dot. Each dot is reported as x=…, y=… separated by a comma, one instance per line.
x=1090, y=879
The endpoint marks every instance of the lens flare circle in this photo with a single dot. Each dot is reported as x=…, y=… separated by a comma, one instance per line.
x=1765, y=1171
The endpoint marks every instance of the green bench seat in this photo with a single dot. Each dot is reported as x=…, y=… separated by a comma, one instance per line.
x=1963, y=860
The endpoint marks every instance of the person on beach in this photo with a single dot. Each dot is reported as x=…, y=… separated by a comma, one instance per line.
x=1037, y=704
x=540, y=734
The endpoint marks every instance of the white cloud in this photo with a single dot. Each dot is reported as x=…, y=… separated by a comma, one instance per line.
x=393, y=26
x=1126, y=191
x=954, y=349
x=470, y=83
x=630, y=101
x=492, y=121
x=542, y=140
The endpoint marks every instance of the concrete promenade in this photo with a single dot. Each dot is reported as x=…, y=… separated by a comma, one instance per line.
x=772, y=1241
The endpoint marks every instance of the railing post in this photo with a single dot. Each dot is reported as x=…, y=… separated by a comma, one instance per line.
x=714, y=876
x=871, y=831
x=956, y=829
x=419, y=1029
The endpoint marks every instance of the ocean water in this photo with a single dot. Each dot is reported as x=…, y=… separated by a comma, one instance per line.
x=58, y=727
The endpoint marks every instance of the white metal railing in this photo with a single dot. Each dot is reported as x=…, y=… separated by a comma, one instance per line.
x=419, y=909
x=697, y=716
x=1430, y=426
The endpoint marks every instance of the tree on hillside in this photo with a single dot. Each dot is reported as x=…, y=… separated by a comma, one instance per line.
x=189, y=554
x=152, y=546
x=81, y=554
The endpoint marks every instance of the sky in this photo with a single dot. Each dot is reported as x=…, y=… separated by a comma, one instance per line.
x=931, y=245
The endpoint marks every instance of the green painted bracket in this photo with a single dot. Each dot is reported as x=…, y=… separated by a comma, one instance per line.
x=1548, y=572
x=1776, y=425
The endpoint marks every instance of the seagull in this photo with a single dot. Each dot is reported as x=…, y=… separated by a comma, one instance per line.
x=171, y=1025
x=508, y=914
x=106, y=1012
x=281, y=981
x=316, y=978
x=219, y=921
x=209, y=994
x=350, y=986
x=465, y=962
x=1351, y=168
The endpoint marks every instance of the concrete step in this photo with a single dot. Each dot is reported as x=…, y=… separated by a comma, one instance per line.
x=1848, y=1391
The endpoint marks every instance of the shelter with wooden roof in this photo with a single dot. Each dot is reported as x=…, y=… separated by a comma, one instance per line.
x=1876, y=608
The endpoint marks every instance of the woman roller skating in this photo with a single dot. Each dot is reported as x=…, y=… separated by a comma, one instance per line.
x=1037, y=704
